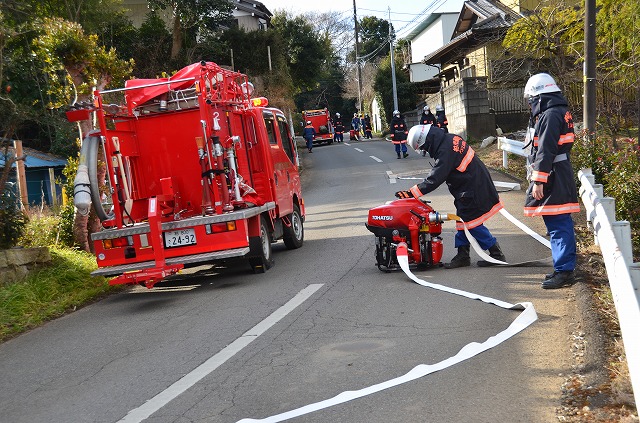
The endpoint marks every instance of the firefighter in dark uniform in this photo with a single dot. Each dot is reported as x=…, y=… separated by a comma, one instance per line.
x=309, y=134
x=399, y=133
x=468, y=180
x=552, y=192
x=367, y=127
x=427, y=117
x=338, y=129
x=441, y=119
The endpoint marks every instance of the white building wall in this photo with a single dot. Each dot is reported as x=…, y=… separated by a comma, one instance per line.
x=426, y=42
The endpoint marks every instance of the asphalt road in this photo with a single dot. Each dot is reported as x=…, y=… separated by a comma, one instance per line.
x=222, y=344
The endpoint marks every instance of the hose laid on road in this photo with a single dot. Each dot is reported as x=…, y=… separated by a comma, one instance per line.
x=524, y=319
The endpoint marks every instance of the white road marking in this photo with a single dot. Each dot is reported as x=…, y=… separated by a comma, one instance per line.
x=154, y=404
x=358, y=150
x=392, y=177
x=376, y=159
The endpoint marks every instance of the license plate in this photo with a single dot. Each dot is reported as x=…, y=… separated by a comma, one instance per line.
x=179, y=238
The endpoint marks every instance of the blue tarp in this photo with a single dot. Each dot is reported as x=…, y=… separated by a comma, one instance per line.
x=36, y=159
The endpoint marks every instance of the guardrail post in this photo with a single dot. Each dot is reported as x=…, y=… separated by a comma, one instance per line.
x=622, y=232
x=634, y=270
x=505, y=159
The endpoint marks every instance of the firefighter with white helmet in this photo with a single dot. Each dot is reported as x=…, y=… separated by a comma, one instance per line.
x=552, y=191
x=309, y=134
x=441, y=118
x=399, y=133
x=468, y=180
x=427, y=117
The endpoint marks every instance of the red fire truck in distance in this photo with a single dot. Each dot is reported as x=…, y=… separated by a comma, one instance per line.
x=197, y=171
x=321, y=121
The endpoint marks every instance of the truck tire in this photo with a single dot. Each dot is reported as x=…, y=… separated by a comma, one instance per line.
x=260, y=249
x=294, y=234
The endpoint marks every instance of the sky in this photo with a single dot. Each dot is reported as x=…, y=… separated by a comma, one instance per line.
x=405, y=14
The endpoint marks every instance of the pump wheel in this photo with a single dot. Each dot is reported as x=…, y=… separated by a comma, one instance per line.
x=294, y=234
x=260, y=249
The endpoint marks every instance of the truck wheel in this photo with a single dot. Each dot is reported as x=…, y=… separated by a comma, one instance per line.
x=294, y=234
x=260, y=249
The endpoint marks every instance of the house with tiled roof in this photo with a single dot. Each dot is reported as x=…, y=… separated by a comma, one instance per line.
x=474, y=104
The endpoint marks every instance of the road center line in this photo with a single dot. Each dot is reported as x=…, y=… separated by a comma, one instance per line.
x=376, y=159
x=180, y=386
x=358, y=150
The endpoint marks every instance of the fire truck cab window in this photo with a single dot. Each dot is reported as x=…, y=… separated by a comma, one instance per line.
x=270, y=123
x=285, y=138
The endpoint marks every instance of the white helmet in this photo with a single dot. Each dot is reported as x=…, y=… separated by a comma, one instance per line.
x=539, y=84
x=426, y=109
x=337, y=114
x=418, y=136
x=396, y=113
x=439, y=108
x=308, y=122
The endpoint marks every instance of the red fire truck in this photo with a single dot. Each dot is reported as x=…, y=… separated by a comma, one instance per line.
x=197, y=170
x=321, y=121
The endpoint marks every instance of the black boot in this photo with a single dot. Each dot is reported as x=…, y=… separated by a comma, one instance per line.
x=461, y=259
x=405, y=155
x=559, y=280
x=494, y=252
x=399, y=156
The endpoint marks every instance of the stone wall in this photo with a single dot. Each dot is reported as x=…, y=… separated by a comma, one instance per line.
x=16, y=263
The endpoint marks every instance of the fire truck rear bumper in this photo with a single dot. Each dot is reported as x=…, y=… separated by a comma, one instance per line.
x=186, y=260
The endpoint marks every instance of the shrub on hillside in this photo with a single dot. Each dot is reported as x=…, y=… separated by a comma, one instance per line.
x=618, y=170
x=12, y=219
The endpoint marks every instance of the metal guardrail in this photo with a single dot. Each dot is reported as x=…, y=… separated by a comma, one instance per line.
x=510, y=146
x=614, y=239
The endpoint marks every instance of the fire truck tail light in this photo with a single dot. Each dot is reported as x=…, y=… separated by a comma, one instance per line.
x=260, y=102
x=216, y=228
x=117, y=242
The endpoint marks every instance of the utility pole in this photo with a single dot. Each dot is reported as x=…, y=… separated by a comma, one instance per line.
x=589, y=106
x=355, y=21
x=392, y=37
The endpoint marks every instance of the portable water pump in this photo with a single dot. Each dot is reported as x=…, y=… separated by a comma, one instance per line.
x=413, y=222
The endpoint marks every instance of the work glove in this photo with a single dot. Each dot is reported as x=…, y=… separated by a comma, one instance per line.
x=404, y=194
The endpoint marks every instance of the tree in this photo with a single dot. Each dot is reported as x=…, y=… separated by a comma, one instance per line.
x=72, y=56
x=551, y=39
x=374, y=38
x=308, y=55
x=189, y=16
x=619, y=62
x=407, y=92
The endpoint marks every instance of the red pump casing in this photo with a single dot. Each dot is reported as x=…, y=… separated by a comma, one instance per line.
x=411, y=221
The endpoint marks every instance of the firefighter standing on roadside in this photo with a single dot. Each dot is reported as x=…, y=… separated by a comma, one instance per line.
x=469, y=181
x=309, y=134
x=427, y=117
x=552, y=193
x=399, y=133
x=367, y=127
x=441, y=118
x=338, y=129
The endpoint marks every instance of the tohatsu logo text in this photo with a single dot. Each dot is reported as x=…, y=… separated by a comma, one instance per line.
x=381, y=217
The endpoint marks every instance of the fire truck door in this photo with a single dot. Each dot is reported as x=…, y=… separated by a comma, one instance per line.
x=282, y=165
